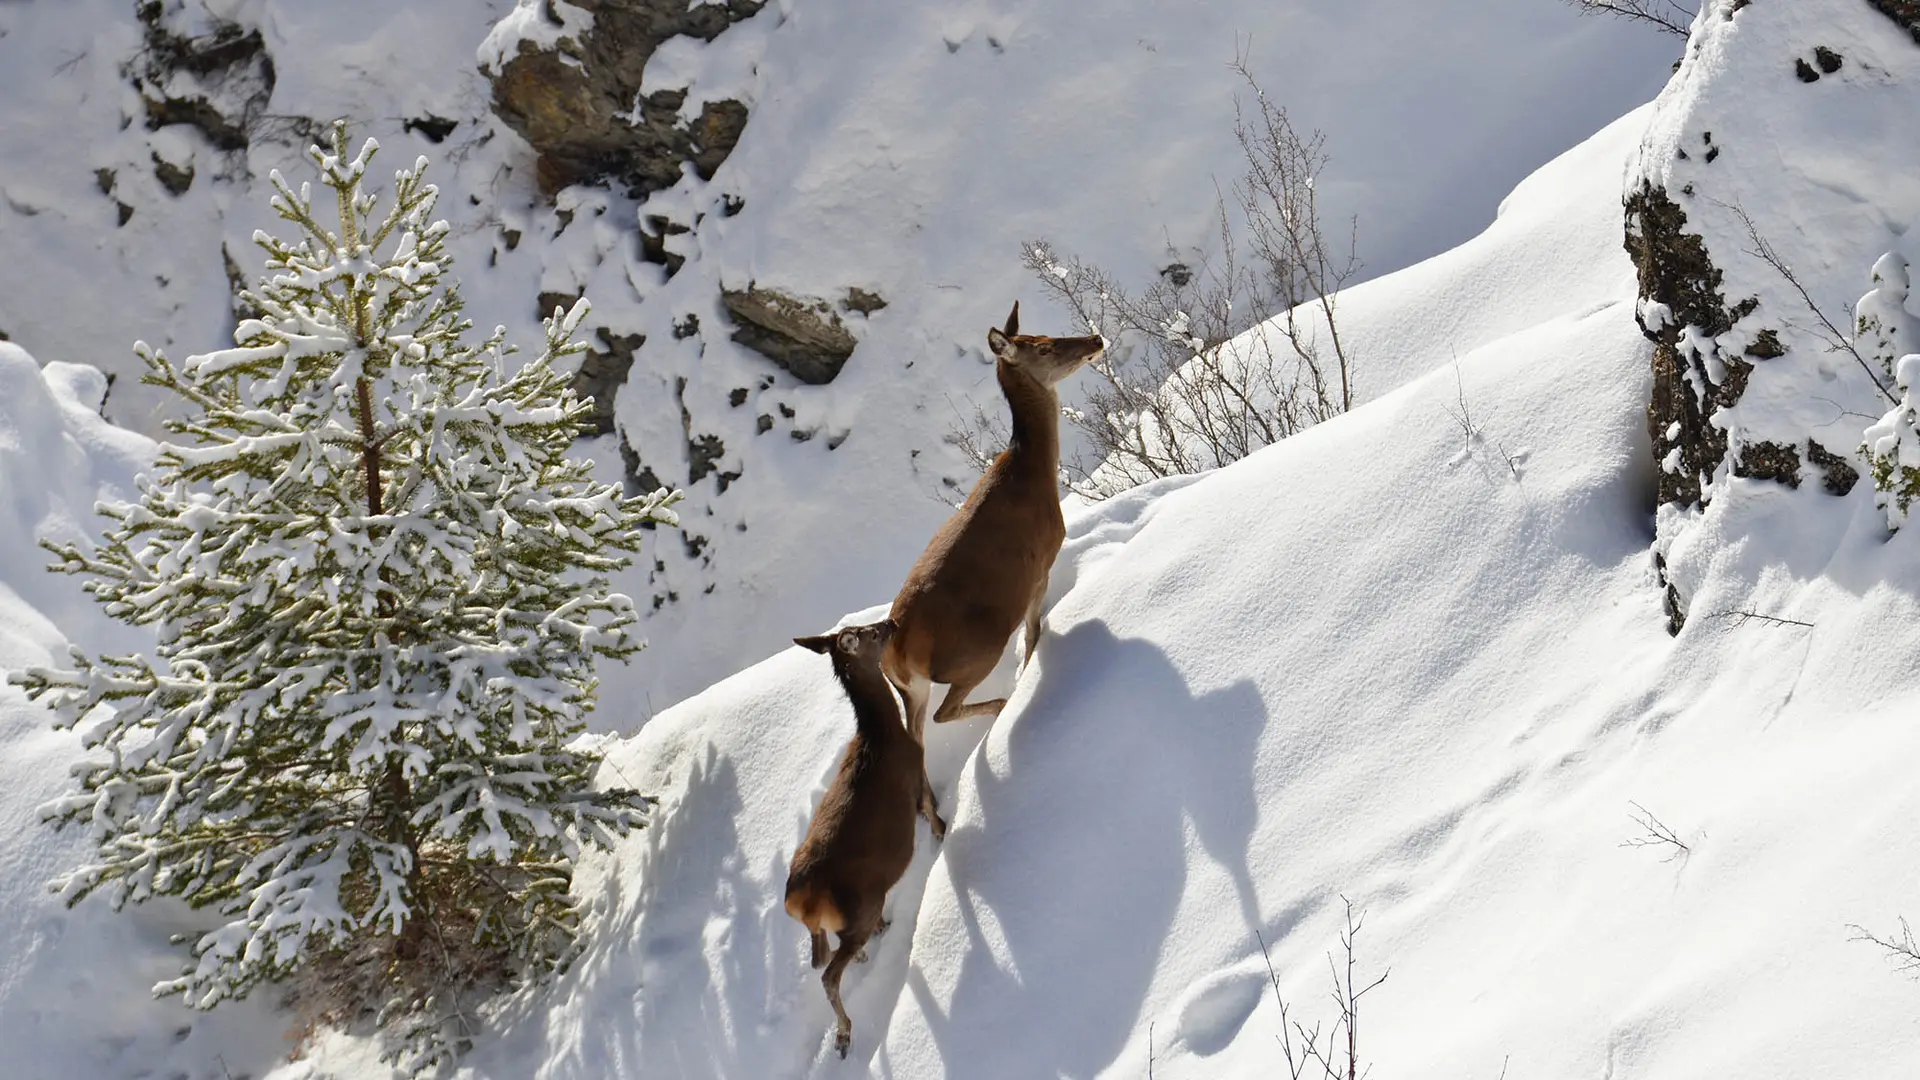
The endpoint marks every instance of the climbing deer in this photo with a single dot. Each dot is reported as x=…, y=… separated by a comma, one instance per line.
x=861, y=838
x=985, y=571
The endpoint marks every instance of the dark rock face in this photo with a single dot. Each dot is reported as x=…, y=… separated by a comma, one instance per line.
x=581, y=108
x=804, y=336
x=218, y=83
x=1837, y=474
x=1675, y=270
x=603, y=371
x=603, y=367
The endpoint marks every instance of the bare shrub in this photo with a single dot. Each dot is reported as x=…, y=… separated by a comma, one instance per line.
x=1225, y=352
x=1656, y=834
x=1900, y=949
x=1307, y=1053
x=1663, y=15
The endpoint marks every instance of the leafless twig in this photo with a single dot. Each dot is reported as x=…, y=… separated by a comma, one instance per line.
x=1475, y=436
x=1664, y=15
x=1740, y=617
x=1310, y=1048
x=1900, y=948
x=1837, y=340
x=1657, y=834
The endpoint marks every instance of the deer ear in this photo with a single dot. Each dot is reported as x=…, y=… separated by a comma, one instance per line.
x=819, y=643
x=1000, y=345
x=1013, y=321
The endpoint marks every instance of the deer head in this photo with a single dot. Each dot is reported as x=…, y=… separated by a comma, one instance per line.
x=852, y=644
x=1047, y=360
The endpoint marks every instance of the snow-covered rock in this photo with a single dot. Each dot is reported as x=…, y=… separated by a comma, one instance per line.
x=1774, y=177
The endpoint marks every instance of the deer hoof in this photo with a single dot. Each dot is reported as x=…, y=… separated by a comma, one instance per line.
x=841, y=1041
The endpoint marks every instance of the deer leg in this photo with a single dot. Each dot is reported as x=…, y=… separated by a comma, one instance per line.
x=851, y=944
x=952, y=706
x=916, y=691
x=819, y=957
x=1033, y=625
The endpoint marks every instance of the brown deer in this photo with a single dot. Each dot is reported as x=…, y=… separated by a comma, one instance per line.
x=861, y=839
x=985, y=571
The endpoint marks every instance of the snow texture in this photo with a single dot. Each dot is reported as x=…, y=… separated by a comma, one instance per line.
x=1377, y=660
x=914, y=162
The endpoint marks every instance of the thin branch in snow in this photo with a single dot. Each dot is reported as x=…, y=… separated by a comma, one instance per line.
x=1837, y=340
x=1309, y=1048
x=1475, y=436
x=1656, y=834
x=1740, y=617
x=1900, y=948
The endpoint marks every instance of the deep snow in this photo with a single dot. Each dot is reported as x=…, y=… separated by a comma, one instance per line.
x=915, y=162
x=1391, y=658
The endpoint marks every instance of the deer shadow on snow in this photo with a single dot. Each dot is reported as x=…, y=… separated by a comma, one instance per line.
x=1071, y=861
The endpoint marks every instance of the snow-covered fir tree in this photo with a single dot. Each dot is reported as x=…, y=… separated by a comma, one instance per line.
x=379, y=589
x=1892, y=447
x=1884, y=331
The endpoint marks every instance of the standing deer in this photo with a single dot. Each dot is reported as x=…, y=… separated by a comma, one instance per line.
x=985, y=571
x=861, y=839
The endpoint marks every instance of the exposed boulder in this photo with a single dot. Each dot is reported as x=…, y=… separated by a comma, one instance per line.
x=803, y=335
x=1683, y=312
x=580, y=103
x=217, y=82
x=603, y=371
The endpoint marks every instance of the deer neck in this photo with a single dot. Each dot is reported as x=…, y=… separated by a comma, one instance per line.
x=875, y=712
x=1034, y=446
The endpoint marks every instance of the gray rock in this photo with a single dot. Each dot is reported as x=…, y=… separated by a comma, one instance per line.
x=581, y=107
x=218, y=82
x=801, y=334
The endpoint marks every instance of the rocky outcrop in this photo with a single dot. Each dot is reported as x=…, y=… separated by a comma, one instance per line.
x=1681, y=311
x=803, y=335
x=581, y=107
x=217, y=83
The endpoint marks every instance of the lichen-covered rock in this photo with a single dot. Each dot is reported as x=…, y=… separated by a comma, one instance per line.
x=1684, y=314
x=1742, y=240
x=578, y=101
x=803, y=335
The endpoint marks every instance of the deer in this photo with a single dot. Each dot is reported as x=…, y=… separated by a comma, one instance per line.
x=861, y=837
x=985, y=571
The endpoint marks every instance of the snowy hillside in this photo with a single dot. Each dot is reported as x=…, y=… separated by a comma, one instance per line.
x=1380, y=660
x=1455, y=656
x=912, y=163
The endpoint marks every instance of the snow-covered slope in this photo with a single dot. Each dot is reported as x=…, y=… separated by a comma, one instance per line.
x=74, y=997
x=1416, y=657
x=1381, y=660
x=906, y=147
x=1785, y=131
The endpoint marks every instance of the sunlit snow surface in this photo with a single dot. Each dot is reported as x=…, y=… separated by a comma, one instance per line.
x=908, y=147
x=1388, y=659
